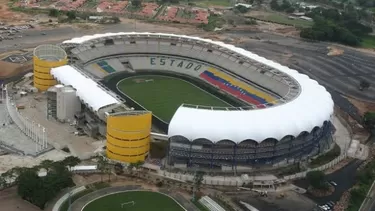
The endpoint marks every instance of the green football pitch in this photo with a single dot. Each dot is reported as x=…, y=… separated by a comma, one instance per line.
x=163, y=95
x=134, y=201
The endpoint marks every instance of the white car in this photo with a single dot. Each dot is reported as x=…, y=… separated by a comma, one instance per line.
x=333, y=183
x=325, y=207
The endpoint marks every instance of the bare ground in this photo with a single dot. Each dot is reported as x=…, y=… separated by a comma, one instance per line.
x=8, y=16
x=10, y=201
x=363, y=107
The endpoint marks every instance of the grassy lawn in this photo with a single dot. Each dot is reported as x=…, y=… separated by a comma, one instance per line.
x=282, y=19
x=325, y=158
x=214, y=21
x=368, y=41
x=143, y=201
x=163, y=95
x=90, y=188
x=208, y=3
x=185, y=14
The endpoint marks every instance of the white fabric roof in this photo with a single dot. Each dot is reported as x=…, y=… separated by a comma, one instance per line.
x=87, y=89
x=311, y=108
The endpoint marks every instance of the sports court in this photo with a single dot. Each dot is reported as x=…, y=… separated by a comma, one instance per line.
x=134, y=201
x=163, y=95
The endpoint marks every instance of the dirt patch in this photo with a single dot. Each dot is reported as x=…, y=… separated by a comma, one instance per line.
x=334, y=51
x=8, y=16
x=363, y=107
x=10, y=201
x=12, y=69
x=287, y=31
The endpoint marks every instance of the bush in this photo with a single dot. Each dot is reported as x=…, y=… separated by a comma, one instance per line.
x=317, y=180
x=54, y=13
x=250, y=22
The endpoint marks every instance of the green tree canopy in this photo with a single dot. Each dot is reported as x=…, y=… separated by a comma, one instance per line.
x=369, y=119
x=317, y=179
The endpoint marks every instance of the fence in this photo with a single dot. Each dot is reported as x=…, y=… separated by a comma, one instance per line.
x=64, y=198
x=33, y=130
x=320, y=168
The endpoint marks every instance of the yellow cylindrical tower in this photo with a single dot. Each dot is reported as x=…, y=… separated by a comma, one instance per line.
x=128, y=136
x=47, y=57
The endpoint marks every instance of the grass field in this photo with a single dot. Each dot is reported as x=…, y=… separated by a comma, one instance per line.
x=143, y=201
x=163, y=95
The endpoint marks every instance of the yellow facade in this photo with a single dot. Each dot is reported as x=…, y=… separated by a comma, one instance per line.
x=128, y=136
x=42, y=76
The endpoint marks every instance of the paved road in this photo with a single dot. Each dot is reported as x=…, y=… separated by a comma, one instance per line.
x=340, y=73
x=344, y=177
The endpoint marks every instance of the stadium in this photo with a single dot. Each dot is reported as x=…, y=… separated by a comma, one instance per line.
x=218, y=106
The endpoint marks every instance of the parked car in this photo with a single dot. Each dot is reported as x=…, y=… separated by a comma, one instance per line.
x=333, y=183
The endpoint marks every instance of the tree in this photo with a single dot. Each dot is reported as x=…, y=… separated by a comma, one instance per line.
x=275, y=5
x=136, y=3
x=197, y=180
x=71, y=161
x=47, y=164
x=119, y=169
x=369, y=120
x=108, y=169
x=39, y=190
x=3, y=182
x=101, y=166
x=71, y=15
x=363, y=84
x=242, y=9
x=317, y=180
x=54, y=13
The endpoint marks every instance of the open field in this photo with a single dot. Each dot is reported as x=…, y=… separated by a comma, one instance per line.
x=163, y=95
x=143, y=201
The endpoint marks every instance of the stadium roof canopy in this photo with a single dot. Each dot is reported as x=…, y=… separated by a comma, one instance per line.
x=311, y=108
x=87, y=89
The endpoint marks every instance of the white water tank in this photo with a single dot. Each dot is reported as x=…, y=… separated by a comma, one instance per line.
x=67, y=103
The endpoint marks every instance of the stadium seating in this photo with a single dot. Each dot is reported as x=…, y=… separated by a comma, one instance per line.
x=106, y=67
x=234, y=87
x=116, y=64
x=96, y=71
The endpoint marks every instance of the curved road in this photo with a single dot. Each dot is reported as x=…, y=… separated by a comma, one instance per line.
x=341, y=73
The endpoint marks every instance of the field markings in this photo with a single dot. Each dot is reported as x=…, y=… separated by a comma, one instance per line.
x=174, y=78
x=118, y=192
